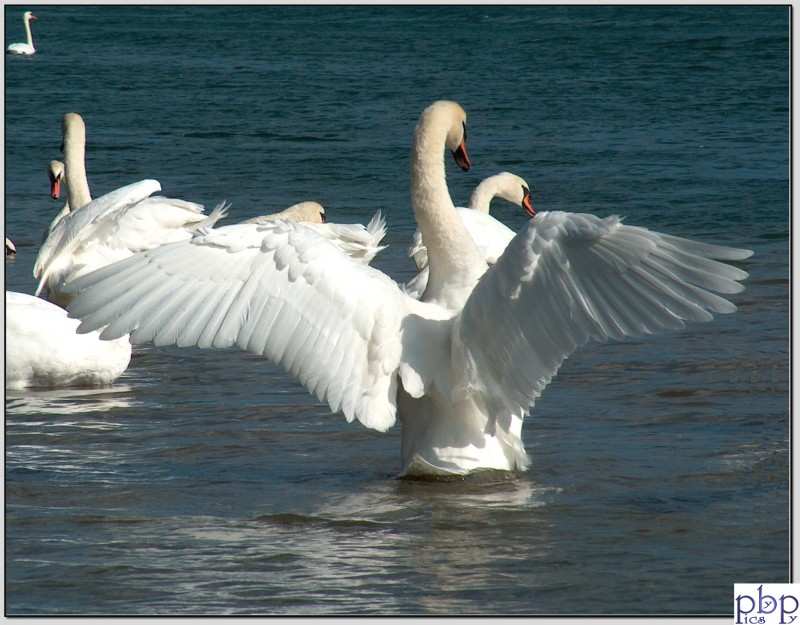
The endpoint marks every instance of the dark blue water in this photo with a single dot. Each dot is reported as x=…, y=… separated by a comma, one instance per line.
x=209, y=482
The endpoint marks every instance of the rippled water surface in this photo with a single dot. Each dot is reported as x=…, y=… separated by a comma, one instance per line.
x=210, y=482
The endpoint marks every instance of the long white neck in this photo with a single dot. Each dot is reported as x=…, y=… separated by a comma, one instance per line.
x=28, y=32
x=78, y=194
x=453, y=258
x=484, y=193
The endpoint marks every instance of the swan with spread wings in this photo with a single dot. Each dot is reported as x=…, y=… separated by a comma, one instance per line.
x=459, y=368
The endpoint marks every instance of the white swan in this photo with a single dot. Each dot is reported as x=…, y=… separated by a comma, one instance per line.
x=459, y=369
x=490, y=235
x=11, y=249
x=24, y=48
x=360, y=242
x=44, y=350
x=98, y=232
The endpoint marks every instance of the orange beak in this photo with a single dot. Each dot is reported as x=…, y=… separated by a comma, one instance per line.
x=33, y=18
x=527, y=203
x=55, y=188
x=461, y=157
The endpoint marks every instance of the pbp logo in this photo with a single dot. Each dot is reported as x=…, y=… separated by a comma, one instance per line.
x=766, y=603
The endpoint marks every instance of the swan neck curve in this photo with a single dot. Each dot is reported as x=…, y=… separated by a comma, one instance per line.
x=452, y=255
x=78, y=194
x=28, y=32
x=483, y=195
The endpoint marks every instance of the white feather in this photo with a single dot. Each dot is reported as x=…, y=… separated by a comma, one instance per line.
x=113, y=227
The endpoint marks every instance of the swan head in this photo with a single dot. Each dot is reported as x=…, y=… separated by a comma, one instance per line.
x=505, y=185
x=311, y=212
x=29, y=17
x=449, y=115
x=514, y=189
x=56, y=173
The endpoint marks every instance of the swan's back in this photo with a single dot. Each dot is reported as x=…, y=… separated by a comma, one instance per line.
x=20, y=48
x=43, y=348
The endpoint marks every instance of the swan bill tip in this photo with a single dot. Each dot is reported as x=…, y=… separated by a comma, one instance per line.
x=461, y=157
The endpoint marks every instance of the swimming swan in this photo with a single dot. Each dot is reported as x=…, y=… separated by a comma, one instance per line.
x=44, y=350
x=490, y=235
x=114, y=226
x=24, y=48
x=461, y=367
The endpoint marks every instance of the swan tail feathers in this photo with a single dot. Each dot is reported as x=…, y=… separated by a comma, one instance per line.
x=220, y=212
x=377, y=228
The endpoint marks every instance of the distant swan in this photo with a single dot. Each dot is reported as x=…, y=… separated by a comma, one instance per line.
x=98, y=232
x=43, y=349
x=359, y=242
x=11, y=249
x=490, y=235
x=461, y=367
x=24, y=48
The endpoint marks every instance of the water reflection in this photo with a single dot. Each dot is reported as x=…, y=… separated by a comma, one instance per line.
x=478, y=528
x=68, y=400
x=396, y=545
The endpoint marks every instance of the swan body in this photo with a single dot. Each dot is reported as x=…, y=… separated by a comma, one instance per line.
x=11, y=249
x=357, y=241
x=26, y=48
x=490, y=235
x=458, y=368
x=112, y=227
x=98, y=232
x=44, y=350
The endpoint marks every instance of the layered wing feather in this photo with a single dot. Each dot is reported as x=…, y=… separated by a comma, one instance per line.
x=568, y=278
x=115, y=226
x=75, y=227
x=279, y=290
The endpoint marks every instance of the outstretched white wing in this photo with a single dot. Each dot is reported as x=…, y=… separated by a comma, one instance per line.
x=279, y=290
x=113, y=227
x=567, y=278
x=66, y=235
